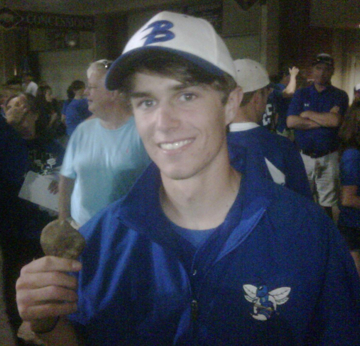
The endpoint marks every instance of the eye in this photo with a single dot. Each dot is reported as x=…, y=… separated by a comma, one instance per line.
x=144, y=104
x=187, y=97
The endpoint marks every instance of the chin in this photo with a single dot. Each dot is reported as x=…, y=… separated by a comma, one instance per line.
x=178, y=173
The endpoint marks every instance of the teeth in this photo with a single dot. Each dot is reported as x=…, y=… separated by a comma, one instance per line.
x=175, y=145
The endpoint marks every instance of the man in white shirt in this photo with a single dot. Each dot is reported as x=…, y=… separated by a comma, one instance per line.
x=29, y=86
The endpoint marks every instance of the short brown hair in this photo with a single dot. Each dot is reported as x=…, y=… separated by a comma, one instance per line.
x=173, y=66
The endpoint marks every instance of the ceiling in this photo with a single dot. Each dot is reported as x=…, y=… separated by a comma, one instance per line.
x=91, y=7
x=324, y=13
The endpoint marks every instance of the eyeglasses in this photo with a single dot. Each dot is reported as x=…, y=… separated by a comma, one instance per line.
x=107, y=63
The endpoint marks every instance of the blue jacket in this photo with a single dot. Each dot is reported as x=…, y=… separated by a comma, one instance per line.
x=276, y=272
x=261, y=144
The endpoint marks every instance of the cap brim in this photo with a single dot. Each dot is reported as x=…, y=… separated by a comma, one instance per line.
x=329, y=63
x=126, y=63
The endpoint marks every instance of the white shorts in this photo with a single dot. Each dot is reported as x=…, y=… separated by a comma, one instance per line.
x=323, y=176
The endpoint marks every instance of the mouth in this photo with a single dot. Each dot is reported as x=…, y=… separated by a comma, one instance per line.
x=175, y=145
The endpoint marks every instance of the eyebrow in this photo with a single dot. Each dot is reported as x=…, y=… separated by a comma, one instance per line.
x=178, y=87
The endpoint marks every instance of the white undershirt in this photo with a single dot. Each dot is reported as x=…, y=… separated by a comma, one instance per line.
x=235, y=127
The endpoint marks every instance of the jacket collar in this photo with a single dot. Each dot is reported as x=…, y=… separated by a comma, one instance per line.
x=141, y=209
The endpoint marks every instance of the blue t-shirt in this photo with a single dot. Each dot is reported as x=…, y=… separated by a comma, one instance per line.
x=76, y=112
x=195, y=237
x=350, y=176
x=65, y=104
x=322, y=139
x=104, y=164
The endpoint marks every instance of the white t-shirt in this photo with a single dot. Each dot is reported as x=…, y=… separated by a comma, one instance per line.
x=104, y=163
x=31, y=88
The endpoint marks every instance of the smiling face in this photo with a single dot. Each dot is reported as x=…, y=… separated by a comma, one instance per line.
x=182, y=126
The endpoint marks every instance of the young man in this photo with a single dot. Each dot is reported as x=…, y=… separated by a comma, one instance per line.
x=278, y=157
x=315, y=113
x=104, y=156
x=196, y=254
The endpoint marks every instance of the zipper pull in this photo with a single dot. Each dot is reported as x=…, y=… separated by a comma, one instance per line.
x=194, y=310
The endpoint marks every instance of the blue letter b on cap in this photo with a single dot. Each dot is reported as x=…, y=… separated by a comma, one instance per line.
x=160, y=32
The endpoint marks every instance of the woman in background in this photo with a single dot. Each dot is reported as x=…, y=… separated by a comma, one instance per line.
x=49, y=106
x=75, y=109
x=349, y=218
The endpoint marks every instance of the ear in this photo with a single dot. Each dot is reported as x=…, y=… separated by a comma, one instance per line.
x=116, y=95
x=233, y=104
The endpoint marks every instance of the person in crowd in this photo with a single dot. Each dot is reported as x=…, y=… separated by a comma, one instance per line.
x=75, y=90
x=279, y=157
x=357, y=92
x=315, y=113
x=50, y=106
x=104, y=156
x=349, y=218
x=29, y=86
x=75, y=109
x=197, y=253
x=24, y=146
x=282, y=93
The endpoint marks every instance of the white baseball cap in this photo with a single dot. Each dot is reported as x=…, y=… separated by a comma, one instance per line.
x=192, y=38
x=250, y=75
x=357, y=87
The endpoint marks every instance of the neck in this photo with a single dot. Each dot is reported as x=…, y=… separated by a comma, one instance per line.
x=114, y=118
x=245, y=114
x=320, y=87
x=201, y=202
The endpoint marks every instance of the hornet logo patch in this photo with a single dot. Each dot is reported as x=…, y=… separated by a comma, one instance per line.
x=265, y=302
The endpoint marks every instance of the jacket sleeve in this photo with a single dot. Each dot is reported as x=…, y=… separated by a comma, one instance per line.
x=336, y=318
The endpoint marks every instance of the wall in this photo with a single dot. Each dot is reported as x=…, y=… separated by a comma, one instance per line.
x=59, y=69
x=111, y=33
x=346, y=47
x=248, y=34
x=242, y=30
x=13, y=46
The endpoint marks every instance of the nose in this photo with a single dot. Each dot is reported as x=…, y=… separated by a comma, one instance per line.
x=167, y=117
